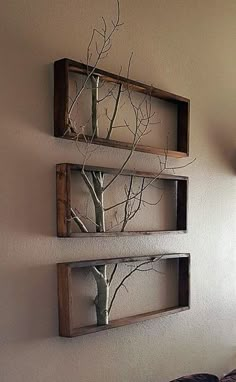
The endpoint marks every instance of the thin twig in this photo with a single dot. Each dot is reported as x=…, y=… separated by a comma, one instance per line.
x=113, y=273
x=114, y=112
x=105, y=47
x=138, y=193
x=127, y=203
x=86, y=217
x=131, y=214
x=127, y=276
x=78, y=221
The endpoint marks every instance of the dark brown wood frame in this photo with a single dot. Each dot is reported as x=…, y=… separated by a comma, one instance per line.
x=61, y=98
x=63, y=190
x=65, y=298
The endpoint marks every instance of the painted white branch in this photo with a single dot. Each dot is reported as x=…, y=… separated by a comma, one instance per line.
x=95, y=84
x=78, y=221
x=91, y=188
x=98, y=178
x=106, y=46
x=102, y=298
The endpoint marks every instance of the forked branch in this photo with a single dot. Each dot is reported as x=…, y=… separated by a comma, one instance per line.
x=101, y=51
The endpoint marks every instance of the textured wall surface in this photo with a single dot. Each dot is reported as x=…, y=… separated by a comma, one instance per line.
x=184, y=46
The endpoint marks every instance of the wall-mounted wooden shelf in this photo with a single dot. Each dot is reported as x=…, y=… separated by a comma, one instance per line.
x=65, y=295
x=62, y=69
x=64, y=221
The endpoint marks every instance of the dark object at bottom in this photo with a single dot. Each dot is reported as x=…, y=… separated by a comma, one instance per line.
x=198, y=378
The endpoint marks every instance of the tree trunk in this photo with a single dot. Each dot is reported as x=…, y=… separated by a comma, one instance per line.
x=102, y=303
x=99, y=208
x=102, y=299
x=95, y=84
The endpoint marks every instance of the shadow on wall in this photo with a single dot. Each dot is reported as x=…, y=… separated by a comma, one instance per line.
x=224, y=140
x=29, y=303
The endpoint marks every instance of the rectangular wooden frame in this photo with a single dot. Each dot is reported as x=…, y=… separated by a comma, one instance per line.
x=63, y=191
x=61, y=100
x=65, y=298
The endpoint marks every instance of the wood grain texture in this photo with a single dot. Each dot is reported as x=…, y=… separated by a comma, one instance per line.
x=61, y=95
x=63, y=191
x=126, y=233
x=78, y=67
x=126, y=321
x=119, y=260
x=126, y=145
x=65, y=298
x=61, y=91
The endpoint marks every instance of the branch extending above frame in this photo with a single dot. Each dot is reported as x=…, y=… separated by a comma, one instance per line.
x=62, y=70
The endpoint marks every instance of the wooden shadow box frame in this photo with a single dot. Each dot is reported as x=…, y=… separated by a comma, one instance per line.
x=65, y=298
x=63, y=200
x=63, y=67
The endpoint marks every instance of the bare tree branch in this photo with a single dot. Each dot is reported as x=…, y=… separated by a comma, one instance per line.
x=95, y=84
x=85, y=217
x=138, y=193
x=90, y=187
x=110, y=92
x=137, y=137
x=113, y=273
x=78, y=221
x=141, y=109
x=105, y=47
x=129, y=215
x=127, y=203
x=114, y=112
x=97, y=273
x=185, y=165
x=127, y=276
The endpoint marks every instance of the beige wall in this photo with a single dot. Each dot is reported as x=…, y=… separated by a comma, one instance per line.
x=184, y=46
